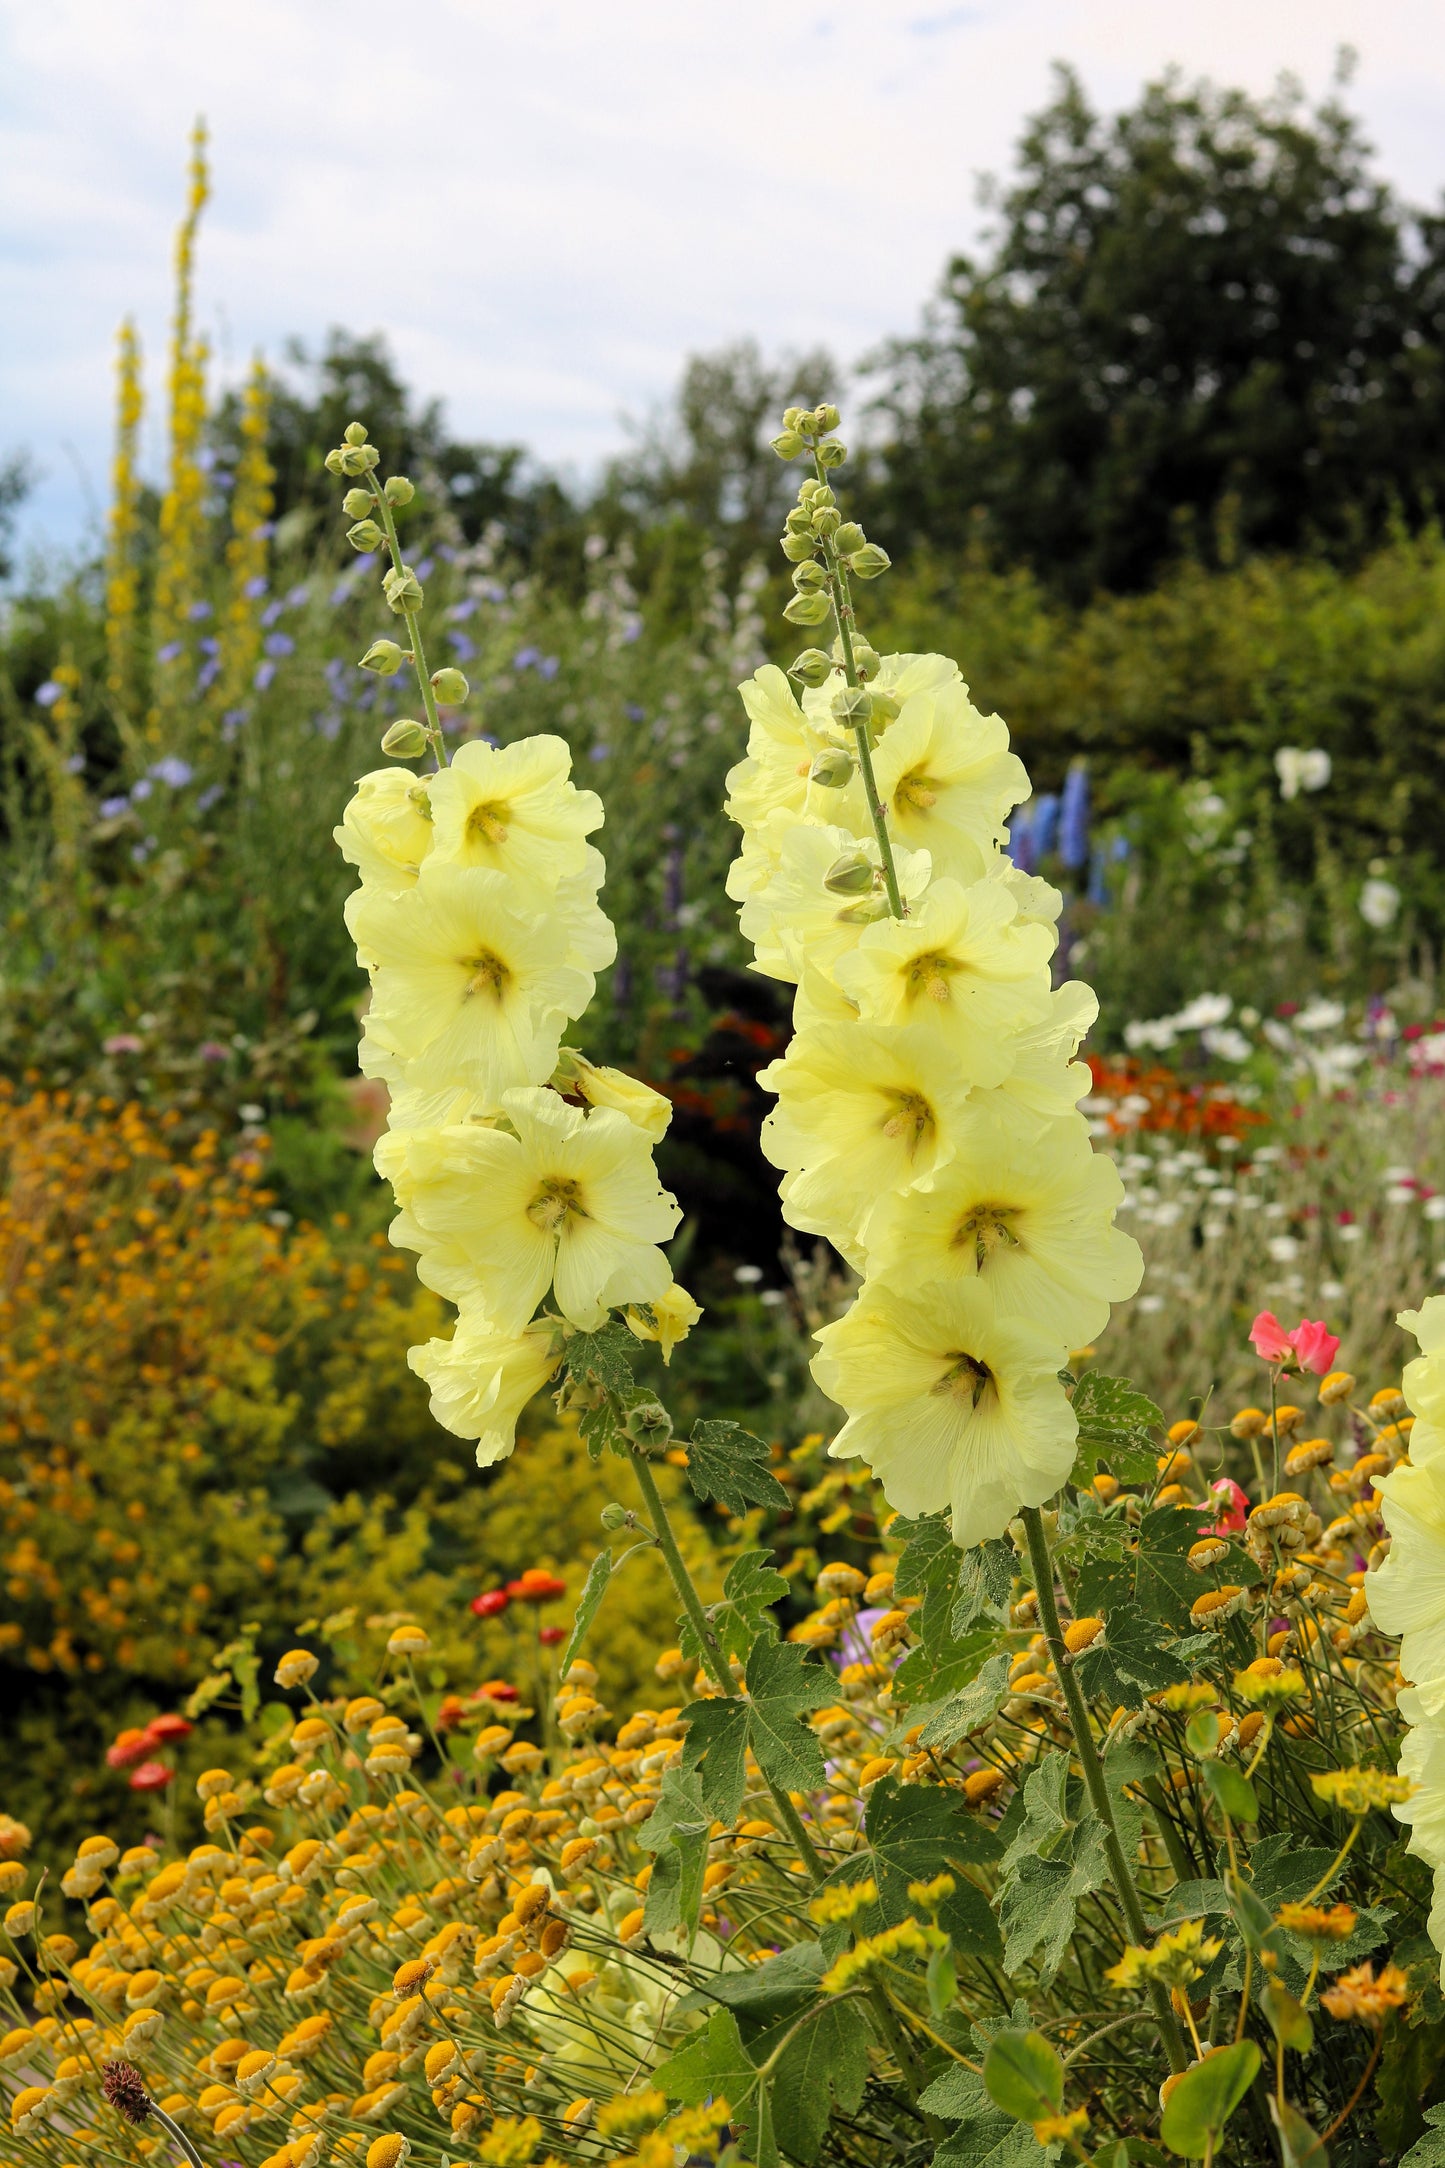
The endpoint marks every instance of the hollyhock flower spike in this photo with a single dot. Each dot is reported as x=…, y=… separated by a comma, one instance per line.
x=477, y=923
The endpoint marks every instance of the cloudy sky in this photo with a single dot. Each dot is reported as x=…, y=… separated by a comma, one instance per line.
x=546, y=206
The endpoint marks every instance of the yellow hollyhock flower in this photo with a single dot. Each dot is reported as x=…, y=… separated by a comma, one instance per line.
x=1025, y=1210
x=646, y=1109
x=792, y=917
x=386, y=830
x=468, y=990
x=668, y=1320
x=482, y=1378
x=961, y=964
x=561, y=1198
x=948, y=780
x=1424, y=1379
x=864, y=1111
x=1407, y=1592
x=949, y=1405
x=515, y=810
x=1045, y=1076
x=783, y=743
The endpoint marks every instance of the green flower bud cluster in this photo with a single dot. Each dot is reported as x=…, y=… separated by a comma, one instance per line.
x=353, y=455
x=824, y=550
x=370, y=510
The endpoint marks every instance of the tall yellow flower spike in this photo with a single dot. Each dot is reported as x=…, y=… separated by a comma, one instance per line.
x=182, y=507
x=122, y=576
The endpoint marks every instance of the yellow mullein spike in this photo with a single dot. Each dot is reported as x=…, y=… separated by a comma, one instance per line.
x=122, y=579
x=182, y=506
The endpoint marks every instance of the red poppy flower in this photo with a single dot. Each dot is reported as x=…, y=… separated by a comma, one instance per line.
x=537, y=1586
x=551, y=1635
x=128, y=1747
x=491, y=1603
x=495, y=1690
x=152, y=1776
x=162, y=1730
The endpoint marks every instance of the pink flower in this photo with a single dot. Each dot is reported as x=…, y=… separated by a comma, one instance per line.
x=1272, y=1344
x=1309, y=1347
x=1315, y=1348
x=1234, y=1507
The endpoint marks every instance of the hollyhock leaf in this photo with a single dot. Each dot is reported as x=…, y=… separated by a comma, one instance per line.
x=728, y=1463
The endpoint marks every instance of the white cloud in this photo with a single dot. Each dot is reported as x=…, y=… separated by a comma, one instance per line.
x=547, y=207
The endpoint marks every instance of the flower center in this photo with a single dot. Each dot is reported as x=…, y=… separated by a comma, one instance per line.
x=984, y=1229
x=488, y=823
x=486, y=974
x=966, y=1379
x=557, y=1200
x=915, y=791
x=927, y=975
x=910, y=1122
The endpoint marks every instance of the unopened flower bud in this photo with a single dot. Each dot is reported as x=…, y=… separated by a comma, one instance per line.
x=853, y=707
x=398, y=489
x=356, y=503
x=614, y=1516
x=798, y=521
x=807, y=610
x=798, y=545
x=868, y=562
x=357, y=458
x=812, y=667
x=809, y=577
x=403, y=591
x=333, y=462
x=850, y=875
x=354, y=433
x=833, y=768
x=648, y=1423
x=831, y=453
x=865, y=659
x=826, y=416
x=814, y=493
x=384, y=657
x=787, y=444
x=825, y=519
x=793, y=417
x=866, y=911
x=850, y=537
x=365, y=535
x=450, y=687
x=885, y=709
x=404, y=740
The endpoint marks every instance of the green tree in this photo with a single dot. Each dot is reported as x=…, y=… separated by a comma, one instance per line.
x=316, y=395
x=1201, y=322
x=705, y=462
x=16, y=481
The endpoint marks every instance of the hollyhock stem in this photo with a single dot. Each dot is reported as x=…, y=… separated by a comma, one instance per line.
x=1095, y=1782
x=712, y=1655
